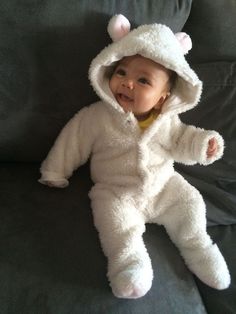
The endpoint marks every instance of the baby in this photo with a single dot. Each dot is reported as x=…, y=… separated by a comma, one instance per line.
x=133, y=136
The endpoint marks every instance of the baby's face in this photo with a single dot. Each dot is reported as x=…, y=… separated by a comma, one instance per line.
x=139, y=85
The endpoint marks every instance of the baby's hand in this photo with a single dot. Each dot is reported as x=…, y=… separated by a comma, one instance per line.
x=212, y=147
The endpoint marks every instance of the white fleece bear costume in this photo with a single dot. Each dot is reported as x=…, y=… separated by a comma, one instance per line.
x=135, y=181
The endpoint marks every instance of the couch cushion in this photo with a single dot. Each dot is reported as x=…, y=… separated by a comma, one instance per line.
x=45, y=51
x=212, y=25
x=216, y=110
x=51, y=260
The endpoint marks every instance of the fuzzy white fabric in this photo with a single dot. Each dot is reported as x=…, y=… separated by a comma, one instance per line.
x=134, y=178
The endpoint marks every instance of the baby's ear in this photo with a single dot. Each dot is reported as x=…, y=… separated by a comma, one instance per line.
x=185, y=42
x=118, y=27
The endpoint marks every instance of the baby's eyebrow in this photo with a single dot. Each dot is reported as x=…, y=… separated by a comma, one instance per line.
x=145, y=73
x=121, y=64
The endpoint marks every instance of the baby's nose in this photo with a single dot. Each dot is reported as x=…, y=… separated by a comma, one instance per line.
x=129, y=83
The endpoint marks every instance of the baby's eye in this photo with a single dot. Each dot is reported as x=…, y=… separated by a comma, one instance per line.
x=120, y=72
x=143, y=80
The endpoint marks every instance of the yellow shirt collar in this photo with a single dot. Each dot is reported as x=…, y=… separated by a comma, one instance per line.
x=144, y=124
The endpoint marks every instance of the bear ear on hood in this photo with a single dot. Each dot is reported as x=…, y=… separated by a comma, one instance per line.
x=184, y=41
x=118, y=27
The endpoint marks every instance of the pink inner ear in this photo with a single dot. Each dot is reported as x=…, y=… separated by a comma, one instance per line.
x=118, y=27
x=185, y=41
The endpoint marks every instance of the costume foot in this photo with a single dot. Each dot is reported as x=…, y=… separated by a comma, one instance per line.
x=209, y=266
x=132, y=283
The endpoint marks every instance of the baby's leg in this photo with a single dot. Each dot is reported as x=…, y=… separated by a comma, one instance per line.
x=120, y=228
x=183, y=215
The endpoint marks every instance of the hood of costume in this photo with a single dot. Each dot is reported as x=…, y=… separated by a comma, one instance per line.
x=158, y=43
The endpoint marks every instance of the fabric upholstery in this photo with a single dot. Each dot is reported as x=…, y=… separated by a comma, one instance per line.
x=212, y=25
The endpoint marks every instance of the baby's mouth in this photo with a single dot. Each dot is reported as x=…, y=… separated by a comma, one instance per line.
x=124, y=97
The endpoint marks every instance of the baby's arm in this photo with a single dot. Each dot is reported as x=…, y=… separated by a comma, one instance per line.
x=71, y=149
x=192, y=144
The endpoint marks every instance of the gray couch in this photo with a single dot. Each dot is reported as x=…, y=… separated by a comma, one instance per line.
x=50, y=256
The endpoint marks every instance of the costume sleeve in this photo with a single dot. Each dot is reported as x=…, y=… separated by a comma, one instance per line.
x=71, y=149
x=189, y=144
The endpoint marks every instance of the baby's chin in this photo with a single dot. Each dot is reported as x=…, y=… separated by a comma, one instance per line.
x=127, y=107
x=142, y=116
